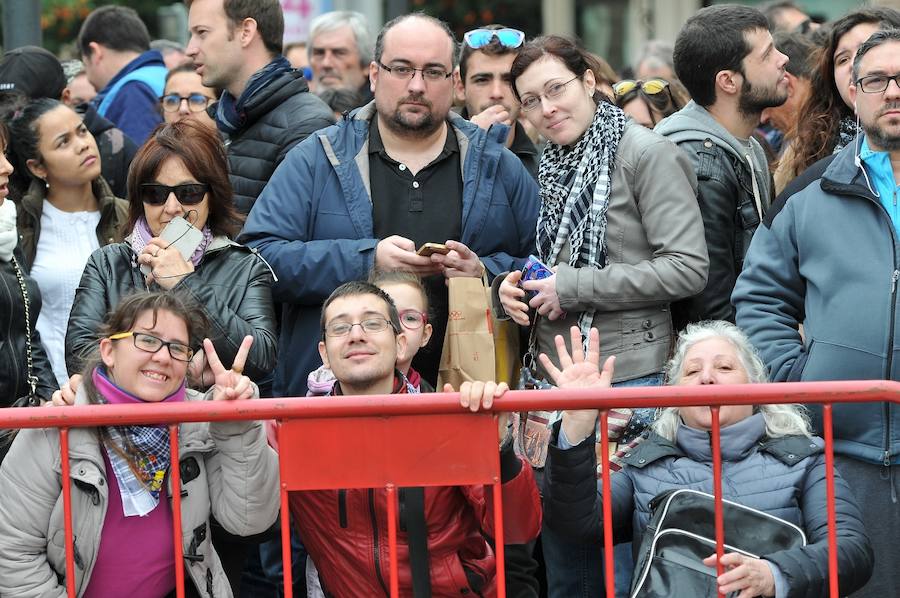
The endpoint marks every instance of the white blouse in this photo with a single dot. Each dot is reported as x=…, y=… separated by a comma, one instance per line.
x=66, y=241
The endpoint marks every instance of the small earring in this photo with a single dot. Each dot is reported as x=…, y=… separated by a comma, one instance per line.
x=46, y=184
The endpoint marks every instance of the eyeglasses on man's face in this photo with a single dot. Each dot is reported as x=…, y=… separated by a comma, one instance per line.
x=369, y=326
x=431, y=74
x=877, y=83
x=152, y=344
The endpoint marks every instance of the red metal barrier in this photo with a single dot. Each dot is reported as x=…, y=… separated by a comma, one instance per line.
x=381, y=421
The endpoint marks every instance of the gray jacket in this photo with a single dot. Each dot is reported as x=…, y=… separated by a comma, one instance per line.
x=784, y=477
x=236, y=481
x=828, y=258
x=656, y=255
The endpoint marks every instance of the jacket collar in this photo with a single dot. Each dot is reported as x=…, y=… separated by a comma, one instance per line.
x=844, y=177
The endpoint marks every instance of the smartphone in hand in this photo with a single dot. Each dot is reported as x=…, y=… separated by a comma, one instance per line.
x=534, y=269
x=181, y=235
x=429, y=248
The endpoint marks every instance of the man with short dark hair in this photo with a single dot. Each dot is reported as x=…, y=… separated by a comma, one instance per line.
x=443, y=550
x=826, y=258
x=397, y=173
x=725, y=57
x=482, y=83
x=266, y=108
x=128, y=75
x=787, y=17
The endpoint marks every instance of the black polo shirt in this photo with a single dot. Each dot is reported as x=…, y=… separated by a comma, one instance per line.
x=426, y=208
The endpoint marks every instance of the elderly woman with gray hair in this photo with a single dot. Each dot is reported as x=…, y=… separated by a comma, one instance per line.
x=770, y=462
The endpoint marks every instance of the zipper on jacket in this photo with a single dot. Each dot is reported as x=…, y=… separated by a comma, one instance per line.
x=373, y=516
x=342, y=508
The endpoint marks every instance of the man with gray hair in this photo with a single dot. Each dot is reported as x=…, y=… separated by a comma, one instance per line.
x=826, y=257
x=340, y=51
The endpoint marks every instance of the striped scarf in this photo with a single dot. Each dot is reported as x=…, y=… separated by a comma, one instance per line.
x=575, y=191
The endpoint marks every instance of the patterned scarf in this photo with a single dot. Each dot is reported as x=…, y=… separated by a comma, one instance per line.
x=230, y=115
x=140, y=483
x=846, y=133
x=575, y=190
x=141, y=235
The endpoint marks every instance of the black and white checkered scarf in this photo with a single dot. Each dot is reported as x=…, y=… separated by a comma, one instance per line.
x=575, y=188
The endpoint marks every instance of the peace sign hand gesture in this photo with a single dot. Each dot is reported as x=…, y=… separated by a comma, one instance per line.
x=230, y=384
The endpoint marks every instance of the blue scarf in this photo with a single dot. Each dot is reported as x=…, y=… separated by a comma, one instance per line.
x=230, y=115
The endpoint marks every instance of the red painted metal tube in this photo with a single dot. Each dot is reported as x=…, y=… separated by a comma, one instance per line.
x=392, y=539
x=175, y=477
x=717, y=491
x=608, y=558
x=287, y=561
x=67, y=510
x=442, y=403
x=829, y=501
x=497, y=489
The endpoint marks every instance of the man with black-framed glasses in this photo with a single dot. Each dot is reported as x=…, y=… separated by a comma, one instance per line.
x=482, y=83
x=399, y=172
x=826, y=257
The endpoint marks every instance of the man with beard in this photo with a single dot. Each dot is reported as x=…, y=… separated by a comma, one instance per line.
x=368, y=192
x=482, y=84
x=726, y=59
x=826, y=257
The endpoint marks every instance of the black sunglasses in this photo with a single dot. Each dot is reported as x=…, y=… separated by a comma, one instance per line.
x=189, y=194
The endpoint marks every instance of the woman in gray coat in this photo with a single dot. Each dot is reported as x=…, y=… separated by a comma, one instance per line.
x=121, y=491
x=770, y=462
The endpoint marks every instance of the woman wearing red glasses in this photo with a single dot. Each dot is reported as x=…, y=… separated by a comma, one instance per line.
x=181, y=221
x=67, y=210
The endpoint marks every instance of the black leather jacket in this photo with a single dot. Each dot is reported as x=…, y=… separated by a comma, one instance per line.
x=278, y=117
x=725, y=195
x=232, y=283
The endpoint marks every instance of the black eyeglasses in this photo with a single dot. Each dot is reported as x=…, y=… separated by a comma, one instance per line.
x=151, y=344
x=430, y=73
x=197, y=102
x=369, y=325
x=188, y=194
x=877, y=83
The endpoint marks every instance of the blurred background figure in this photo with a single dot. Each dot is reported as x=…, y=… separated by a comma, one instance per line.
x=787, y=17
x=341, y=100
x=298, y=55
x=340, y=51
x=80, y=89
x=172, y=52
x=654, y=60
x=650, y=101
x=185, y=96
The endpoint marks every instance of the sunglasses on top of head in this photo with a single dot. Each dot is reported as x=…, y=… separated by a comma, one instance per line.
x=188, y=194
x=508, y=38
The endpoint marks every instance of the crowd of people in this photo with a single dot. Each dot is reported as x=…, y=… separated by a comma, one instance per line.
x=240, y=219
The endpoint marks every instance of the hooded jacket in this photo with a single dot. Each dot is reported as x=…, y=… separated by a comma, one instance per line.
x=730, y=203
x=828, y=257
x=231, y=283
x=782, y=476
x=278, y=117
x=228, y=470
x=313, y=223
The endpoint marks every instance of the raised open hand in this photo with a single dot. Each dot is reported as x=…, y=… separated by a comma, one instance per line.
x=579, y=370
x=230, y=384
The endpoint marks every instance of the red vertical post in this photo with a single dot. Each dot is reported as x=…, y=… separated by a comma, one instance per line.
x=287, y=562
x=717, y=491
x=497, y=489
x=175, y=478
x=608, y=558
x=392, y=539
x=829, y=496
x=67, y=511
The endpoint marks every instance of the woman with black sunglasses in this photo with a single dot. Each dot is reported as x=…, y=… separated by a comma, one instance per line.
x=66, y=212
x=181, y=221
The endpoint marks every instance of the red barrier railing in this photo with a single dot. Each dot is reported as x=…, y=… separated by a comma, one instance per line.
x=392, y=422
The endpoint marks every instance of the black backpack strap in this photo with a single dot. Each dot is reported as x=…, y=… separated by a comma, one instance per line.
x=412, y=515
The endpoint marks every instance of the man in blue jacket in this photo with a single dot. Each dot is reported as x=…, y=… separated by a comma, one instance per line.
x=368, y=192
x=828, y=257
x=115, y=48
